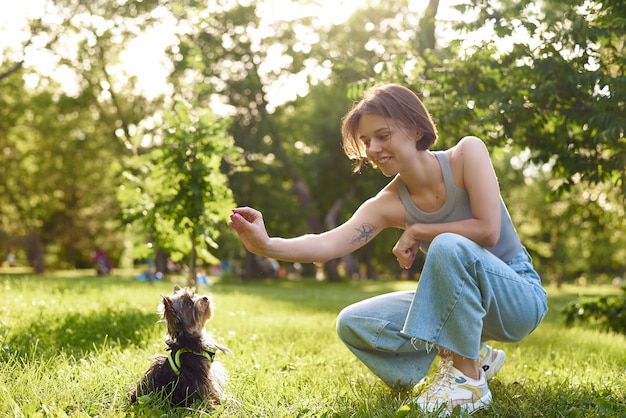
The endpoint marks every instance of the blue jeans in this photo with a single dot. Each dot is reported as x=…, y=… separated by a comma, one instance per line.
x=465, y=295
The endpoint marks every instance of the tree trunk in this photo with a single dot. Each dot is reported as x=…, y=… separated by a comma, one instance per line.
x=370, y=272
x=191, y=279
x=425, y=39
x=34, y=251
x=70, y=234
x=554, y=271
x=302, y=192
x=332, y=220
x=351, y=263
x=249, y=266
x=160, y=260
x=331, y=270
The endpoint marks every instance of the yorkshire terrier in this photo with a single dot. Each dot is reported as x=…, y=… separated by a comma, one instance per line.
x=190, y=372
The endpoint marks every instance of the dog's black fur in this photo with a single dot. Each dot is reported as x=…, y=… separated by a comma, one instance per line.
x=201, y=376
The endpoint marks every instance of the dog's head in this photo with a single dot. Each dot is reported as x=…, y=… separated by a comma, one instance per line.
x=185, y=312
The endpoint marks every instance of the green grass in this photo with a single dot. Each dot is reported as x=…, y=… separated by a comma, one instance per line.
x=73, y=345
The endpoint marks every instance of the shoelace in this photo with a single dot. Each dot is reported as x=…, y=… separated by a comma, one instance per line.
x=445, y=378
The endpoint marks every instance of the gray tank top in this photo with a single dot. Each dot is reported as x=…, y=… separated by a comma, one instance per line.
x=457, y=208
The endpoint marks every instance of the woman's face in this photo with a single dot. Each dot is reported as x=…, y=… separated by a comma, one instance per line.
x=387, y=144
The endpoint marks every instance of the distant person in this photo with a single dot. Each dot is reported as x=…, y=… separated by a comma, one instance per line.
x=478, y=282
x=203, y=278
x=11, y=259
x=173, y=267
x=103, y=264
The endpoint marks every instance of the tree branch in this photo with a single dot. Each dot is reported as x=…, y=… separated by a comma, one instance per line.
x=12, y=70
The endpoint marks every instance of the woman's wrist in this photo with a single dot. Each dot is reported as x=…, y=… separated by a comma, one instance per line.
x=415, y=232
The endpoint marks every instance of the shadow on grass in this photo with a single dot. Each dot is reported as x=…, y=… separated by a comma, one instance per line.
x=313, y=295
x=78, y=333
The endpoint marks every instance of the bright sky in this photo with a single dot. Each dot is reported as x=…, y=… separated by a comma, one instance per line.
x=145, y=55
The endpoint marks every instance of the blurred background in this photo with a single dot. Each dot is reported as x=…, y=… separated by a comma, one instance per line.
x=131, y=128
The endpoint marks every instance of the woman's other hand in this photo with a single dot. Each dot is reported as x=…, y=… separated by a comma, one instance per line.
x=406, y=249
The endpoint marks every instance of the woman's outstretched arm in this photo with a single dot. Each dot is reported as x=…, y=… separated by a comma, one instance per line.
x=362, y=227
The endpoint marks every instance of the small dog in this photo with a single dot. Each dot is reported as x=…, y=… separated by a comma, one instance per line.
x=190, y=372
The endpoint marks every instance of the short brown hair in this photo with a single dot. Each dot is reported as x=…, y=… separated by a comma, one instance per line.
x=390, y=101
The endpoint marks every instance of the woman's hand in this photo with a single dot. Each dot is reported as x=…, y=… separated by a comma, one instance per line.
x=250, y=227
x=406, y=249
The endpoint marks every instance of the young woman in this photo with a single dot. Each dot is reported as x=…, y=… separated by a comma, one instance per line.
x=478, y=282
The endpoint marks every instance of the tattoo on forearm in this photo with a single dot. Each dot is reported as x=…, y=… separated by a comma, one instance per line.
x=365, y=232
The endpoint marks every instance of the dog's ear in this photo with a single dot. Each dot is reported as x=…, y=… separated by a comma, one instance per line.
x=167, y=303
x=176, y=288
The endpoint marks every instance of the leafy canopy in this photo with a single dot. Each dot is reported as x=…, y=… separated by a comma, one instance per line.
x=177, y=190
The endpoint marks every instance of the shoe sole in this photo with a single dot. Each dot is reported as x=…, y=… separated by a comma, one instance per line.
x=482, y=403
x=444, y=410
x=470, y=408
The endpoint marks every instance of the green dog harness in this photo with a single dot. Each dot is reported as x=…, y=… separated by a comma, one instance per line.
x=174, y=359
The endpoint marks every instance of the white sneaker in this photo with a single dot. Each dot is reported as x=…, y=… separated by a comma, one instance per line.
x=450, y=389
x=491, y=360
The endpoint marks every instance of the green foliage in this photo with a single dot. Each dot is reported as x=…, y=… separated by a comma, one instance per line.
x=605, y=312
x=568, y=238
x=47, y=189
x=559, y=88
x=61, y=136
x=176, y=189
x=232, y=71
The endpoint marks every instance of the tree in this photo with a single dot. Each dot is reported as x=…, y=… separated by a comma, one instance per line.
x=51, y=198
x=560, y=91
x=52, y=201
x=176, y=189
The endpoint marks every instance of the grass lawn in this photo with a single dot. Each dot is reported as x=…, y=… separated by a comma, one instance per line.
x=72, y=346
